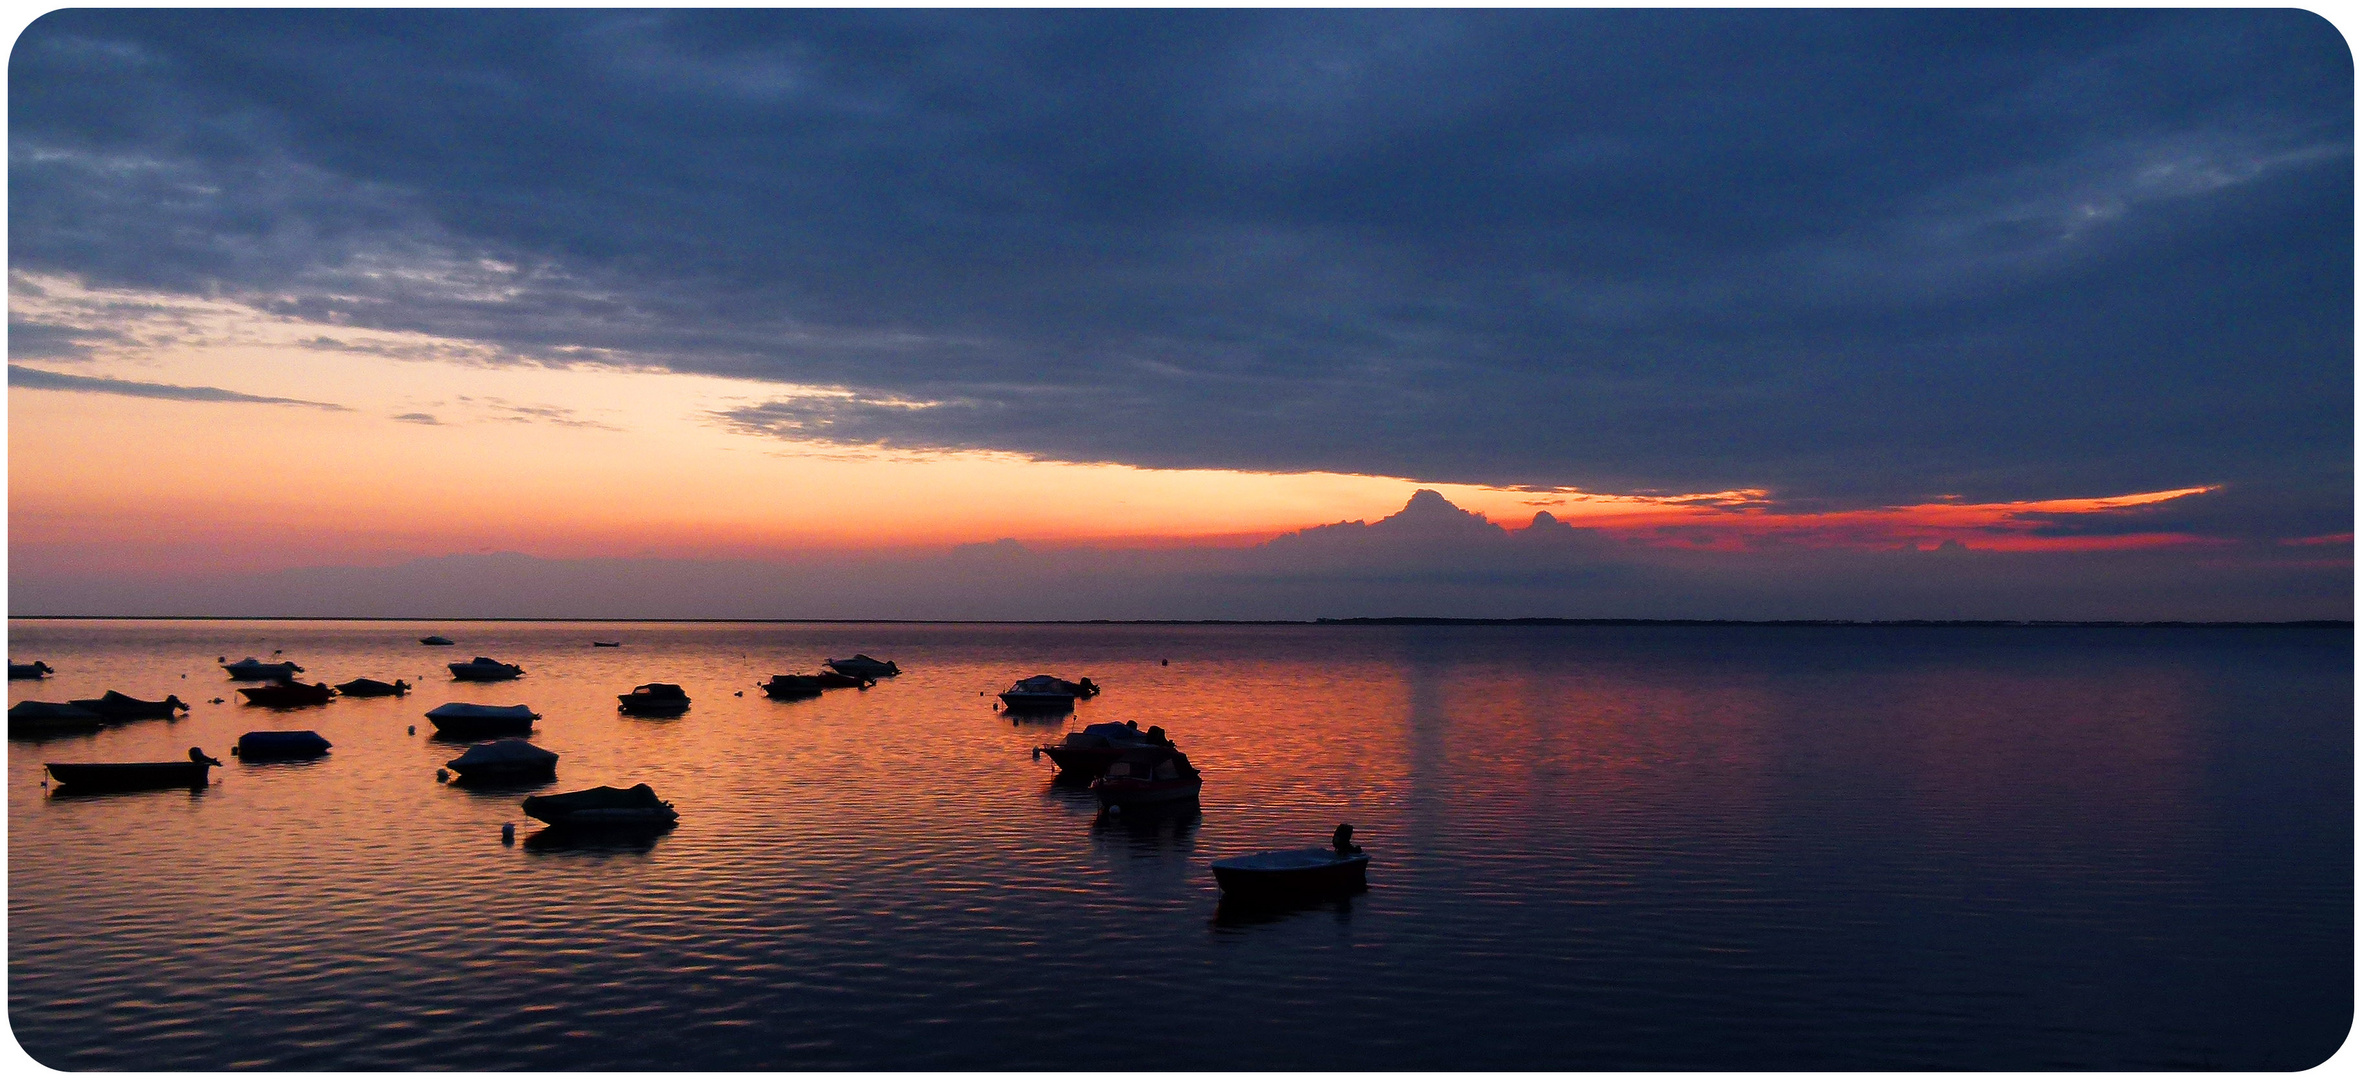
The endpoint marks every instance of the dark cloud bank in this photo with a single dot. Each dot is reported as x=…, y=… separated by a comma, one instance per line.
x=1853, y=257
x=1430, y=559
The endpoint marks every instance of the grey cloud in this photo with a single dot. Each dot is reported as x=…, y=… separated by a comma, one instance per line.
x=419, y=418
x=36, y=379
x=50, y=341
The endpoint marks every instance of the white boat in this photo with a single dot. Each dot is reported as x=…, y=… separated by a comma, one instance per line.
x=505, y=759
x=485, y=669
x=462, y=718
x=251, y=668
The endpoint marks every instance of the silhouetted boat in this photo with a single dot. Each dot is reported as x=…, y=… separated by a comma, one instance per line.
x=51, y=718
x=606, y=644
x=1046, y=693
x=1154, y=774
x=1089, y=752
x=435, y=639
x=133, y=775
x=288, y=694
x=601, y=806
x=279, y=745
x=114, y=706
x=373, y=688
x=251, y=668
x=485, y=669
x=865, y=666
x=654, y=699
x=505, y=759
x=463, y=719
x=791, y=686
x=34, y=670
x=1295, y=872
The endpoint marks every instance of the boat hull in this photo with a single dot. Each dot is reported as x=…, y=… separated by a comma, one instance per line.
x=1086, y=761
x=1338, y=875
x=280, y=745
x=285, y=697
x=129, y=775
x=474, y=673
x=474, y=726
x=651, y=708
x=1040, y=703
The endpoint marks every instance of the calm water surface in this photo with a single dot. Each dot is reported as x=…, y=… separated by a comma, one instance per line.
x=1593, y=848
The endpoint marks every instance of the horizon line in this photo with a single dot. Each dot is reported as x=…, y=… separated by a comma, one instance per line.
x=1386, y=620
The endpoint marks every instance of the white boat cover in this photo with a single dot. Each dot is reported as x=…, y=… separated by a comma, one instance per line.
x=503, y=752
x=463, y=710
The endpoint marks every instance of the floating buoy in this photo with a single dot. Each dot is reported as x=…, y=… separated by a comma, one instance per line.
x=1037, y=753
x=442, y=776
x=233, y=751
x=1164, y=663
x=508, y=832
x=414, y=729
x=216, y=701
x=741, y=693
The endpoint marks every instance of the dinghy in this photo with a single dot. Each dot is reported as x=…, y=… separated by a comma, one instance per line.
x=469, y=721
x=251, y=668
x=373, y=688
x=279, y=745
x=133, y=775
x=1295, y=872
x=602, y=806
x=505, y=760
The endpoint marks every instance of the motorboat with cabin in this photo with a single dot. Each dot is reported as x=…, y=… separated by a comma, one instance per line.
x=279, y=746
x=288, y=694
x=1046, y=693
x=505, y=760
x=787, y=687
x=602, y=807
x=1153, y=774
x=251, y=669
x=485, y=669
x=113, y=706
x=373, y=688
x=1088, y=753
x=464, y=720
x=654, y=699
x=865, y=666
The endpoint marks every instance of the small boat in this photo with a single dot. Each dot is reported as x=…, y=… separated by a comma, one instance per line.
x=837, y=680
x=114, y=706
x=606, y=644
x=34, y=670
x=1046, y=693
x=279, y=745
x=1295, y=872
x=485, y=669
x=863, y=665
x=435, y=639
x=654, y=699
x=51, y=718
x=784, y=687
x=636, y=805
x=133, y=775
x=462, y=719
x=373, y=688
x=1089, y=752
x=287, y=695
x=1155, y=774
x=505, y=759
x=251, y=668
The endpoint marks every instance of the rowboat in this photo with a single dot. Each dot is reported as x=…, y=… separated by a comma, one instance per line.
x=654, y=699
x=279, y=745
x=485, y=669
x=133, y=775
x=251, y=668
x=114, y=706
x=1294, y=872
x=505, y=759
x=602, y=806
x=469, y=721
x=287, y=695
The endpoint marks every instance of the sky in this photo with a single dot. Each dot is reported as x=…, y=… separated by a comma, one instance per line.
x=1177, y=314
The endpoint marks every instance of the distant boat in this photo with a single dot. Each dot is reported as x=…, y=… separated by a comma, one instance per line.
x=865, y=666
x=654, y=699
x=1046, y=693
x=34, y=670
x=251, y=668
x=485, y=669
x=279, y=745
x=288, y=694
x=1088, y=753
x=1295, y=872
x=1155, y=774
x=51, y=718
x=133, y=775
x=463, y=719
x=606, y=644
x=435, y=639
x=505, y=759
x=784, y=687
x=373, y=688
x=114, y=706
x=602, y=806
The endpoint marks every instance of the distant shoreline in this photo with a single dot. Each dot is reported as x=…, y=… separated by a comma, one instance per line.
x=1394, y=620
